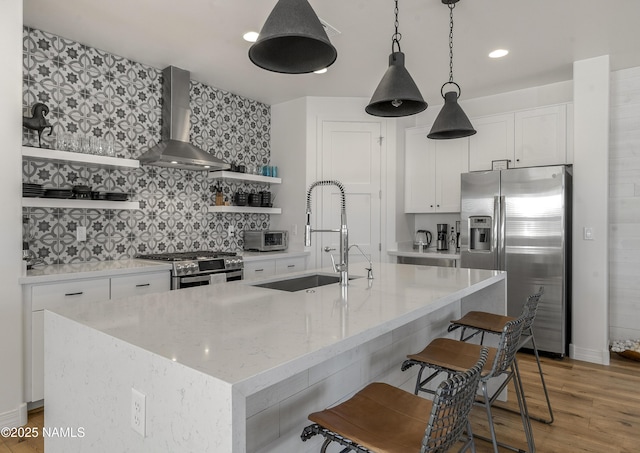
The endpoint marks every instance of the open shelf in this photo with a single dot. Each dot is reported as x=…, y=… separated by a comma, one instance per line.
x=244, y=177
x=67, y=157
x=245, y=209
x=78, y=204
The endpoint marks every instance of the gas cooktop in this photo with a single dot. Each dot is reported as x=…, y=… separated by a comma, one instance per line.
x=187, y=256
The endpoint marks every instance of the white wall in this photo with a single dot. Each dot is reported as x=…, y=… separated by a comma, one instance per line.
x=12, y=407
x=624, y=205
x=289, y=153
x=590, y=317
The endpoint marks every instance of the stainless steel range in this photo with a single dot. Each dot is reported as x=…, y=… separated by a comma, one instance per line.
x=201, y=267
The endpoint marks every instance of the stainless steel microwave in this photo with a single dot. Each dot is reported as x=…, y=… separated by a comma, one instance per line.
x=266, y=240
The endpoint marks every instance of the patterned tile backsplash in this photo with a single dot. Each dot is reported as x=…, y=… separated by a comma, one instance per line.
x=94, y=93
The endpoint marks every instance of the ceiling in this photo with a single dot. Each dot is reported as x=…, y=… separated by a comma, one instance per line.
x=205, y=37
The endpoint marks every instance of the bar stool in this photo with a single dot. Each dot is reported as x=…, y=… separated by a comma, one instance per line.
x=445, y=355
x=381, y=417
x=483, y=322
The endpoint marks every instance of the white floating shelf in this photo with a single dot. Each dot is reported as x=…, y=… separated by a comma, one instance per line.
x=245, y=209
x=244, y=177
x=78, y=204
x=67, y=157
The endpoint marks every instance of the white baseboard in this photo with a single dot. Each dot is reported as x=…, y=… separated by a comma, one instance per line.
x=598, y=356
x=14, y=418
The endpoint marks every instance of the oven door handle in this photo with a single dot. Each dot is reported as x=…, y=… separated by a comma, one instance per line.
x=234, y=275
x=198, y=279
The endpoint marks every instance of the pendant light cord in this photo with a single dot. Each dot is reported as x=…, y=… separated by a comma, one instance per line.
x=397, y=36
x=451, y=6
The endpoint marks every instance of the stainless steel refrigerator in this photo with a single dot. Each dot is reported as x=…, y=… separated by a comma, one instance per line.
x=519, y=220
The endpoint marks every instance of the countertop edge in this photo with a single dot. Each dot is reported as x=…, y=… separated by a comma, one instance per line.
x=111, y=269
x=262, y=256
x=426, y=254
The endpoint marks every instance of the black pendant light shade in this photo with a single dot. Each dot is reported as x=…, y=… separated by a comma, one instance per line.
x=292, y=40
x=397, y=94
x=451, y=122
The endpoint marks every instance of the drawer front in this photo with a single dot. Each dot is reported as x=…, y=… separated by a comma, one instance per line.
x=57, y=294
x=259, y=269
x=286, y=265
x=135, y=285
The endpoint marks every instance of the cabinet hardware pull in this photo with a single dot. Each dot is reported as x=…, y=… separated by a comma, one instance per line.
x=74, y=294
x=143, y=284
x=291, y=265
x=259, y=270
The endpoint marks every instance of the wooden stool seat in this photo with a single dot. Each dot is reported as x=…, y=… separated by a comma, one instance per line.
x=385, y=419
x=455, y=355
x=380, y=417
x=481, y=320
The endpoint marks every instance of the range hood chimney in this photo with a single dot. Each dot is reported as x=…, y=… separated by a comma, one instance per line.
x=175, y=150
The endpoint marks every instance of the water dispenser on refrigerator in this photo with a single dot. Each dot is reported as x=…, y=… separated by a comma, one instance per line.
x=479, y=233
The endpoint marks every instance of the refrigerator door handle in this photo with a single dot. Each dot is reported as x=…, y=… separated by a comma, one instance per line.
x=495, y=228
x=502, y=216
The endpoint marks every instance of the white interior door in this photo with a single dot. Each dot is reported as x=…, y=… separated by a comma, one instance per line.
x=351, y=154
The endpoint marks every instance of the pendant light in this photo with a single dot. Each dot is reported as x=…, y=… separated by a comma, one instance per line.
x=293, y=41
x=397, y=93
x=451, y=122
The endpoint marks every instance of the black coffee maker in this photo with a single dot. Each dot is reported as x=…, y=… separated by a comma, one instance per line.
x=443, y=243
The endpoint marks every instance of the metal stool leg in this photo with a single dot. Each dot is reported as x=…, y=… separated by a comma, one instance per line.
x=544, y=386
x=524, y=412
x=487, y=405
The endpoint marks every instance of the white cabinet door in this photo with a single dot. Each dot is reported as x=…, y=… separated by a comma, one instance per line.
x=493, y=141
x=452, y=159
x=287, y=265
x=49, y=296
x=57, y=294
x=420, y=161
x=432, y=172
x=259, y=269
x=138, y=284
x=541, y=136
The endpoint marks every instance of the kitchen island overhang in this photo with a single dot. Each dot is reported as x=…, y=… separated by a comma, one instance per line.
x=233, y=367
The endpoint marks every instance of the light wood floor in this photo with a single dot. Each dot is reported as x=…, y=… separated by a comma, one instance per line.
x=597, y=410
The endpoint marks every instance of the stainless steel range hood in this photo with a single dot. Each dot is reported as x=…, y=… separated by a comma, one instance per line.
x=174, y=150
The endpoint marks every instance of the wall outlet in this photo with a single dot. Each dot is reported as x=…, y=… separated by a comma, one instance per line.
x=138, y=412
x=81, y=233
x=588, y=234
x=231, y=230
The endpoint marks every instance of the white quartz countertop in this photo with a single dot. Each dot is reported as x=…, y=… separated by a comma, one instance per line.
x=253, y=337
x=260, y=256
x=406, y=249
x=90, y=269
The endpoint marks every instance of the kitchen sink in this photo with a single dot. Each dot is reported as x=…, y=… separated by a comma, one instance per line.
x=302, y=282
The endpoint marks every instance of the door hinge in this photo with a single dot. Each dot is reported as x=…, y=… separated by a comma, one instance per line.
x=379, y=246
x=380, y=140
x=380, y=194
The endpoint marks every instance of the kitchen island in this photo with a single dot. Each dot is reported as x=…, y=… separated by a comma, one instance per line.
x=234, y=367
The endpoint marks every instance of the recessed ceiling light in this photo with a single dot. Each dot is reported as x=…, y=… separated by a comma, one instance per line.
x=498, y=53
x=251, y=36
x=320, y=71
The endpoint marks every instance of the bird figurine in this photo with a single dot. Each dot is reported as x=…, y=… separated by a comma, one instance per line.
x=38, y=121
